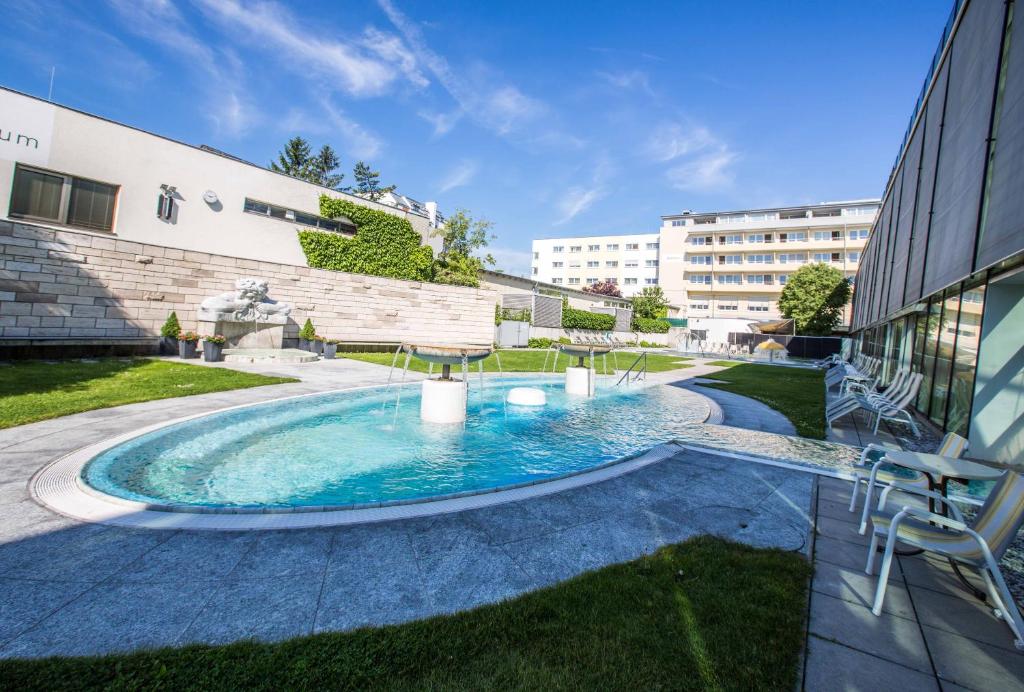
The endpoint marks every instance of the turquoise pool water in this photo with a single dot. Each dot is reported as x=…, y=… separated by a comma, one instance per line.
x=352, y=448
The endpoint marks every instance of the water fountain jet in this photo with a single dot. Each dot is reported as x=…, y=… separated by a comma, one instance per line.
x=444, y=398
x=579, y=379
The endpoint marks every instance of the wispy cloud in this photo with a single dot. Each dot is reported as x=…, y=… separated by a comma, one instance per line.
x=461, y=175
x=442, y=122
x=159, y=21
x=627, y=80
x=702, y=162
x=577, y=199
x=358, y=141
x=502, y=108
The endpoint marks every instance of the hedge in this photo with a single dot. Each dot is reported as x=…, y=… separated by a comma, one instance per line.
x=649, y=326
x=582, y=319
x=385, y=245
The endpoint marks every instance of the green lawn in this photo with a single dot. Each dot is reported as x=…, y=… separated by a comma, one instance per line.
x=704, y=615
x=724, y=363
x=33, y=390
x=797, y=393
x=520, y=360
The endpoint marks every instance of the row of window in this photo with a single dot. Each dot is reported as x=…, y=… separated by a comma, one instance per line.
x=787, y=237
x=737, y=279
x=342, y=225
x=730, y=305
x=589, y=281
x=610, y=247
x=781, y=258
x=629, y=264
x=760, y=217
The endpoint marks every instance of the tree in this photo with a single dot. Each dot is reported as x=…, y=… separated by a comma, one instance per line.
x=368, y=182
x=462, y=238
x=297, y=161
x=604, y=288
x=650, y=303
x=814, y=297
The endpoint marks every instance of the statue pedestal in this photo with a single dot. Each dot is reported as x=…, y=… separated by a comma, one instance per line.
x=265, y=333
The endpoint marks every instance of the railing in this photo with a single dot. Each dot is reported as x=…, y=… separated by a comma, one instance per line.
x=641, y=372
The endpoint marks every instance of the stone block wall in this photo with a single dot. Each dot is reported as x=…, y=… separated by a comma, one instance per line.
x=72, y=284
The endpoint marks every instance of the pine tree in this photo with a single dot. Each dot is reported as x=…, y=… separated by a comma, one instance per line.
x=294, y=159
x=368, y=182
x=322, y=167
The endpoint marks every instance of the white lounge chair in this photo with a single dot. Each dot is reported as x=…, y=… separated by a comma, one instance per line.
x=873, y=471
x=979, y=546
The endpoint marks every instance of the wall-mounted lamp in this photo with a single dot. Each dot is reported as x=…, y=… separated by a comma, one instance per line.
x=165, y=202
x=210, y=197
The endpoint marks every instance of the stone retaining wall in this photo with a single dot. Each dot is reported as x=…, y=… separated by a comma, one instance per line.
x=73, y=284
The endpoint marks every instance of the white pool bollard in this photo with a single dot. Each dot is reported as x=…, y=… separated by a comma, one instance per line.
x=443, y=401
x=579, y=381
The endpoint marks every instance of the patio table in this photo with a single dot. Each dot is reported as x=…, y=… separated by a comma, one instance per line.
x=939, y=470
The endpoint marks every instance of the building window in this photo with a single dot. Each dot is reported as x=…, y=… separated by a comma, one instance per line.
x=793, y=237
x=700, y=259
x=611, y=280
x=706, y=219
x=629, y=281
x=794, y=214
x=698, y=306
x=652, y=246
x=729, y=307
x=793, y=258
x=729, y=279
x=556, y=281
x=63, y=199
x=557, y=265
x=828, y=257
x=730, y=259
x=760, y=238
x=558, y=248
x=573, y=281
x=574, y=263
x=632, y=264
x=536, y=255
x=860, y=234
x=593, y=263
x=700, y=278
x=782, y=279
x=575, y=248
x=651, y=282
x=651, y=263
x=593, y=248
x=591, y=280
x=632, y=246
x=828, y=235
x=678, y=222
x=759, y=259
x=535, y=271
x=612, y=247
x=340, y=225
x=611, y=263
x=818, y=213
x=731, y=240
x=759, y=279
x=757, y=306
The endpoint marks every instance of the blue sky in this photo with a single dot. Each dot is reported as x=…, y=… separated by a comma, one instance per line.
x=547, y=118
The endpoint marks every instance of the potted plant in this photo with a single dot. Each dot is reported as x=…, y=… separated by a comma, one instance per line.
x=212, y=347
x=169, y=335
x=331, y=348
x=318, y=344
x=187, y=344
x=306, y=335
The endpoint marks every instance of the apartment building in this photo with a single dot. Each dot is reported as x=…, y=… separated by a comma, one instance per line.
x=734, y=264
x=629, y=261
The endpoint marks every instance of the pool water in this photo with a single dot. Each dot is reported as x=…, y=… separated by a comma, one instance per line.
x=357, y=447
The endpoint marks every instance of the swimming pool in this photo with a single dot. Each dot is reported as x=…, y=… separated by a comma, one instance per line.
x=364, y=447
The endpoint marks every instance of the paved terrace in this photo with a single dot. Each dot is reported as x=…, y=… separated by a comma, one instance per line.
x=73, y=588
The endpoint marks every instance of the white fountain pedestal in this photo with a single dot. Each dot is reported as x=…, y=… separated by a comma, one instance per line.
x=579, y=381
x=443, y=401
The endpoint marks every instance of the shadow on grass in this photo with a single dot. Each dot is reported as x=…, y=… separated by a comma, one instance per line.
x=796, y=393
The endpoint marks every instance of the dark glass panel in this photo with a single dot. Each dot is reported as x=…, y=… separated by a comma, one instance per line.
x=961, y=390
x=91, y=205
x=36, y=194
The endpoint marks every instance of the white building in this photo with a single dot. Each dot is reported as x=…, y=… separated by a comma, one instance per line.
x=629, y=261
x=67, y=169
x=731, y=266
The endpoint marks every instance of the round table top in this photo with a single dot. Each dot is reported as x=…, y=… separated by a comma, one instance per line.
x=940, y=466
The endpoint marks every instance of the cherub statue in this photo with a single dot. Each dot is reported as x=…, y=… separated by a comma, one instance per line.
x=248, y=302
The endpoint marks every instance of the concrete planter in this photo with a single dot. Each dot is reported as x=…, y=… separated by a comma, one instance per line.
x=168, y=345
x=187, y=349
x=330, y=351
x=212, y=352
x=305, y=345
x=317, y=347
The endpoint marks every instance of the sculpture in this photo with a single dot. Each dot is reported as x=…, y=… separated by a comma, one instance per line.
x=247, y=303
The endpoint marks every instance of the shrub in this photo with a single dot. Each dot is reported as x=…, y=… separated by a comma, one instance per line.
x=308, y=331
x=539, y=342
x=523, y=315
x=171, y=327
x=564, y=340
x=650, y=303
x=582, y=319
x=650, y=344
x=384, y=245
x=190, y=337
x=814, y=296
x=649, y=326
x=216, y=339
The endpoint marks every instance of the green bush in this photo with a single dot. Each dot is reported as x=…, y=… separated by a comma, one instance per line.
x=539, y=342
x=171, y=327
x=564, y=340
x=650, y=344
x=384, y=245
x=649, y=326
x=308, y=331
x=583, y=319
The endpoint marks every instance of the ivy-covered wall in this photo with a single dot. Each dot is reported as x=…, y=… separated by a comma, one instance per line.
x=384, y=244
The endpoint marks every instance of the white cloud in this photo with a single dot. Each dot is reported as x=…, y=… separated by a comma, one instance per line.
x=442, y=122
x=461, y=175
x=577, y=200
x=627, y=79
x=704, y=173
x=502, y=108
x=672, y=140
x=363, y=67
x=517, y=262
x=358, y=141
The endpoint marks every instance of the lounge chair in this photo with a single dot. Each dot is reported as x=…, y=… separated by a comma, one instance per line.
x=979, y=545
x=887, y=406
x=873, y=471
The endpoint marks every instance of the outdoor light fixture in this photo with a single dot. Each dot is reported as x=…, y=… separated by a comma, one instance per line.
x=210, y=197
x=165, y=202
